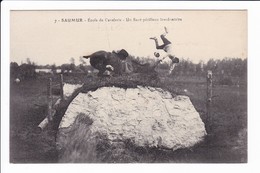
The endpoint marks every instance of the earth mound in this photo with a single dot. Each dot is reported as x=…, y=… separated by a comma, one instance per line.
x=103, y=123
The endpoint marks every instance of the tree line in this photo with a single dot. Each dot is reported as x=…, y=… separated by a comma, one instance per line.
x=235, y=67
x=227, y=67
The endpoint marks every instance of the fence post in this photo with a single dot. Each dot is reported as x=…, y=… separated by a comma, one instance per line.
x=61, y=87
x=49, y=99
x=209, y=98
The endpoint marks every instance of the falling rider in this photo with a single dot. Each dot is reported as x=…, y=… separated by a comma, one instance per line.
x=168, y=48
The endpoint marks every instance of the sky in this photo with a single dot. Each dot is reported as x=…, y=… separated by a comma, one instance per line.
x=46, y=37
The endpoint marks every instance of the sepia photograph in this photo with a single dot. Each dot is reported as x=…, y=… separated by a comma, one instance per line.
x=128, y=86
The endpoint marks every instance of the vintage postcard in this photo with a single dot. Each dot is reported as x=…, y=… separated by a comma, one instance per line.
x=128, y=86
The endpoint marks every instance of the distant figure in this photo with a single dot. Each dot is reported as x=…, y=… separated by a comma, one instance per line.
x=168, y=48
x=17, y=80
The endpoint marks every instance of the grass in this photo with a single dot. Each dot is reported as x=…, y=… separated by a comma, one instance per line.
x=28, y=105
x=227, y=124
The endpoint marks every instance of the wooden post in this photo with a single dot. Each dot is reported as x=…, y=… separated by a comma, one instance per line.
x=46, y=120
x=49, y=117
x=49, y=99
x=209, y=98
x=43, y=124
x=61, y=87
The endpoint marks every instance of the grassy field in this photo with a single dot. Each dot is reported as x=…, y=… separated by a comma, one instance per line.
x=227, y=124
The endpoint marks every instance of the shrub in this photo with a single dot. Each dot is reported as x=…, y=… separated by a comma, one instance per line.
x=225, y=81
x=27, y=71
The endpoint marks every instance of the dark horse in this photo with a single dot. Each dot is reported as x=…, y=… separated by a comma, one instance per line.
x=101, y=60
